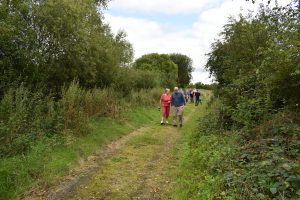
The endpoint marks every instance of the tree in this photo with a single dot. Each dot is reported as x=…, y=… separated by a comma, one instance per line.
x=257, y=64
x=160, y=63
x=185, y=68
x=49, y=43
x=200, y=85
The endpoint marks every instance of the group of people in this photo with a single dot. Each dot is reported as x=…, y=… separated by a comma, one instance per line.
x=177, y=100
x=193, y=95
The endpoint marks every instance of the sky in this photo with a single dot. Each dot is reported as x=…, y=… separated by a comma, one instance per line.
x=188, y=27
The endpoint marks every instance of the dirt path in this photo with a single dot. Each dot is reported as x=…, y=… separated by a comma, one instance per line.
x=137, y=166
x=138, y=171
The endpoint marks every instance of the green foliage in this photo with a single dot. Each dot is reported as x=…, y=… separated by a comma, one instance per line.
x=24, y=118
x=145, y=97
x=185, y=68
x=162, y=64
x=266, y=166
x=53, y=42
x=27, y=117
x=128, y=79
x=207, y=153
x=256, y=66
x=200, y=85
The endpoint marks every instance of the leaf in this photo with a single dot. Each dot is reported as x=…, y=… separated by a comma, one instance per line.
x=273, y=190
x=286, y=166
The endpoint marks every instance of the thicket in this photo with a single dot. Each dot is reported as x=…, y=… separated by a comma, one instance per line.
x=257, y=68
x=33, y=124
x=27, y=117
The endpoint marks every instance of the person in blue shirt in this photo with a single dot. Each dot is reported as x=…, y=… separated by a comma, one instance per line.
x=178, y=103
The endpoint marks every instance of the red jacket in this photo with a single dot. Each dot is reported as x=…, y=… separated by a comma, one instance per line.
x=165, y=100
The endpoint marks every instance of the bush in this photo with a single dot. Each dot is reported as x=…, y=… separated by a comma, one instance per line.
x=257, y=70
x=267, y=166
x=72, y=105
x=25, y=117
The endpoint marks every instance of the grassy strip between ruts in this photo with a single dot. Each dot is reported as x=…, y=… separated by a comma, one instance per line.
x=201, y=158
x=47, y=162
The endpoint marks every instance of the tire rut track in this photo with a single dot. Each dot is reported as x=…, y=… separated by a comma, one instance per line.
x=81, y=173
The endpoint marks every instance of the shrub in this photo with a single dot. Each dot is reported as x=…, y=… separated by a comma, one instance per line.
x=26, y=116
x=266, y=166
x=72, y=105
x=128, y=79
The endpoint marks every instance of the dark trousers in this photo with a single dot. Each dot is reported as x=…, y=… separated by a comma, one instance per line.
x=197, y=102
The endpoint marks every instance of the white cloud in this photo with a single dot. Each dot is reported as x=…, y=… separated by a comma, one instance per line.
x=149, y=36
x=163, y=6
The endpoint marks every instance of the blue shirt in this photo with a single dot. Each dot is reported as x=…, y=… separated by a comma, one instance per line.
x=177, y=99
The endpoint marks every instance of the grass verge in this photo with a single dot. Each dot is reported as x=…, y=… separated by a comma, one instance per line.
x=202, y=157
x=51, y=159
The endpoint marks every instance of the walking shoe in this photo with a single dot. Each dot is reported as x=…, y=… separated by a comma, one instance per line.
x=167, y=122
x=180, y=125
x=162, y=122
x=174, y=125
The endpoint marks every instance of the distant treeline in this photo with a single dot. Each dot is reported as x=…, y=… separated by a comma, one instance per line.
x=200, y=85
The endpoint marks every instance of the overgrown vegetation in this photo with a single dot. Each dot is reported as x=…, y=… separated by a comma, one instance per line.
x=205, y=153
x=256, y=65
x=27, y=117
x=62, y=68
x=42, y=137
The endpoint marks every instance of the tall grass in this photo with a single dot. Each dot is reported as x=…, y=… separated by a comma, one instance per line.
x=42, y=136
x=26, y=117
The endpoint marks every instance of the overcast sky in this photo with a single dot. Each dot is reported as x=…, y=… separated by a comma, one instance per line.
x=175, y=26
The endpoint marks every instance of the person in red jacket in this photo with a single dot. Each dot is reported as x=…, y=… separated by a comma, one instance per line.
x=165, y=101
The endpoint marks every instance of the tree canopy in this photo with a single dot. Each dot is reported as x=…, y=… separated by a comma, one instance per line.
x=49, y=43
x=161, y=63
x=185, y=68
